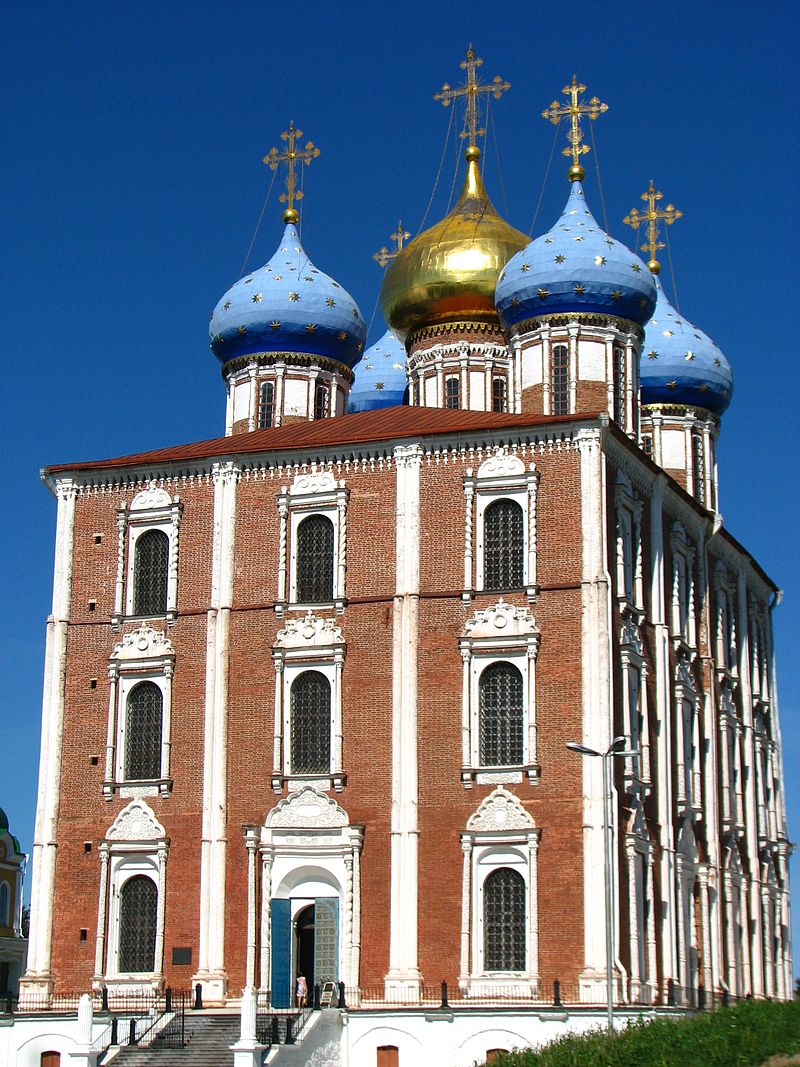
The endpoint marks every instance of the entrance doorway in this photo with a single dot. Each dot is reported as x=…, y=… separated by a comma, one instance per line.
x=307, y=943
x=304, y=947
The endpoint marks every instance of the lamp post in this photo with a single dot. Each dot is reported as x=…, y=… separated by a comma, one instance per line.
x=616, y=748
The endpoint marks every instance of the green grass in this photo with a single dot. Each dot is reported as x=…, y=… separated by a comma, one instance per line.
x=728, y=1037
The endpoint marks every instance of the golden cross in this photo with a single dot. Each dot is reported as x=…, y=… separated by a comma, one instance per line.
x=652, y=217
x=472, y=90
x=383, y=255
x=291, y=157
x=573, y=111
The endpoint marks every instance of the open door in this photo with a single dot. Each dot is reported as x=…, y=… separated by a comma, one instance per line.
x=281, y=913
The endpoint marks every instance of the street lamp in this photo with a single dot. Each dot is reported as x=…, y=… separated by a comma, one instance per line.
x=616, y=748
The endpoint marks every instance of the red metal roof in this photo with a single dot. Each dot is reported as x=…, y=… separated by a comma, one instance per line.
x=385, y=424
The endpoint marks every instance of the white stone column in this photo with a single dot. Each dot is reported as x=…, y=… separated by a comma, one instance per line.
x=38, y=977
x=251, y=844
x=466, y=754
x=466, y=901
x=277, y=744
x=111, y=733
x=119, y=585
x=355, y=947
x=596, y=705
x=469, y=493
x=166, y=742
x=403, y=978
x=211, y=953
x=161, y=904
x=265, y=963
x=253, y=405
x=229, y=387
x=533, y=907
x=246, y=1051
x=635, y=932
x=283, y=522
x=102, y=915
x=574, y=332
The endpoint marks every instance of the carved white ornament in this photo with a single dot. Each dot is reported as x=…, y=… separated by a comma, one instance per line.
x=501, y=619
x=310, y=630
x=151, y=497
x=143, y=643
x=629, y=636
x=500, y=811
x=501, y=464
x=136, y=822
x=308, y=808
x=683, y=674
x=314, y=481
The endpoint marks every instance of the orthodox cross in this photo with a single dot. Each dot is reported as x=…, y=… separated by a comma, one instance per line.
x=472, y=90
x=292, y=156
x=651, y=217
x=573, y=111
x=383, y=255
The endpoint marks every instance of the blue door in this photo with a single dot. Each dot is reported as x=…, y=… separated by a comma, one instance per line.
x=281, y=914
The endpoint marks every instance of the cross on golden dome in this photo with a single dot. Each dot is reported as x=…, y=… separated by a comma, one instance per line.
x=292, y=156
x=383, y=255
x=573, y=111
x=471, y=91
x=652, y=217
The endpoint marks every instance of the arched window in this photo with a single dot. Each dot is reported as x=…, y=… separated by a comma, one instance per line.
x=150, y=573
x=503, y=550
x=138, y=906
x=504, y=921
x=452, y=392
x=5, y=904
x=498, y=394
x=559, y=390
x=314, y=569
x=501, y=716
x=320, y=401
x=311, y=724
x=143, y=715
x=266, y=405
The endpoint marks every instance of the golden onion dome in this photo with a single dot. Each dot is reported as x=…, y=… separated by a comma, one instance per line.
x=449, y=272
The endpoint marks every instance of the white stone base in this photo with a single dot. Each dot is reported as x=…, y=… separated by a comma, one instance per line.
x=247, y=1054
x=403, y=987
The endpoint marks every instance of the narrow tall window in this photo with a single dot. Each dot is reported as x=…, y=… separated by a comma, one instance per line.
x=504, y=921
x=501, y=716
x=698, y=468
x=138, y=905
x=266, y=405
x=320, y=401
x=647, y=445
x=310, y=710
x=143, y=715
x=559, y=391
x=314, y=565
x=503, y=548
x=150, y=567
x=498, y=394
x=5, y=904
x=620, y=384
x=452, y=392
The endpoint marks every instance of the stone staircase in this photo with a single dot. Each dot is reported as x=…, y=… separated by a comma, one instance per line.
x=208, y=1041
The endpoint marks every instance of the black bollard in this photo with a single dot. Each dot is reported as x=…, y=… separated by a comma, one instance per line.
x=168, y=999
x=671, y=992
x=104, y=999
x=9, y=1004
x=557, y=993
x=132, y=1033
x=114, y=1030
x=198, y=998
x=342, y=1001
x=444, y=995
x=317, y=996
x=726, y=998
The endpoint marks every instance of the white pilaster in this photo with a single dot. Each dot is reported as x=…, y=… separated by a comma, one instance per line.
x=403, y=978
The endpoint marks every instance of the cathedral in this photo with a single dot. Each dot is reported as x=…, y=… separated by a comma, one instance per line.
x=442, y=637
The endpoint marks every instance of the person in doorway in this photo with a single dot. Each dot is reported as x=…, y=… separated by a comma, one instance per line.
x=302, y=991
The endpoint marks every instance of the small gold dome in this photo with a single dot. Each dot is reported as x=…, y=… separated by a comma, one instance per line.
x=449, y=272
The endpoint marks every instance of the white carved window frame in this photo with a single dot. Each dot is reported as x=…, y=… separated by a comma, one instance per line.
x=503, y=633
x=630, y=582
x=499, y=834
x=315, y=492
x=143, y=655
x=502, y=476
x=635, y=706
x=135, y=844
x=151, y=509
x=641, y=908
x=307, y=644
x=682, y=616
x=726, y=627
x=688, y=750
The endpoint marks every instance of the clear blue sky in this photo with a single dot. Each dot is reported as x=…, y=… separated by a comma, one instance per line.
x=133, y=135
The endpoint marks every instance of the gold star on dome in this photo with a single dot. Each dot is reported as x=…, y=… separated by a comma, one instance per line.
x=368, y=366
x=668, y=333
x=578, y=238
x=398, y=366
x=616, y=295
x=241, y=330
x=355, y=313
x=342, y=335
x=717, y=362
x=580, y=290
x=308, y=278
x=379, y=385
x=672, y=384
x=247, y=281
x=218, y=338
x=275, y=324
x=652, y=354
x=311, y=327
x=471, y=91
x=330, y=302
x=277, y=277
x=226, y=305
x=548, y=240
x=525, y=268
x=573, y=111
x=335, y=285
x=543, y=294
x=703, y=387
x=560, y=258
x=515, y=301
x=599, y=261
x=689, y=356
x=256, y=298
x=294, y=296
x=643, y=302
x=636, y=268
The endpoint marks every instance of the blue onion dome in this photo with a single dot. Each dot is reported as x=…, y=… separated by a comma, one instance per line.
x=380, y=376
x=682, y=365
x=288, y=306
x=575, y=267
